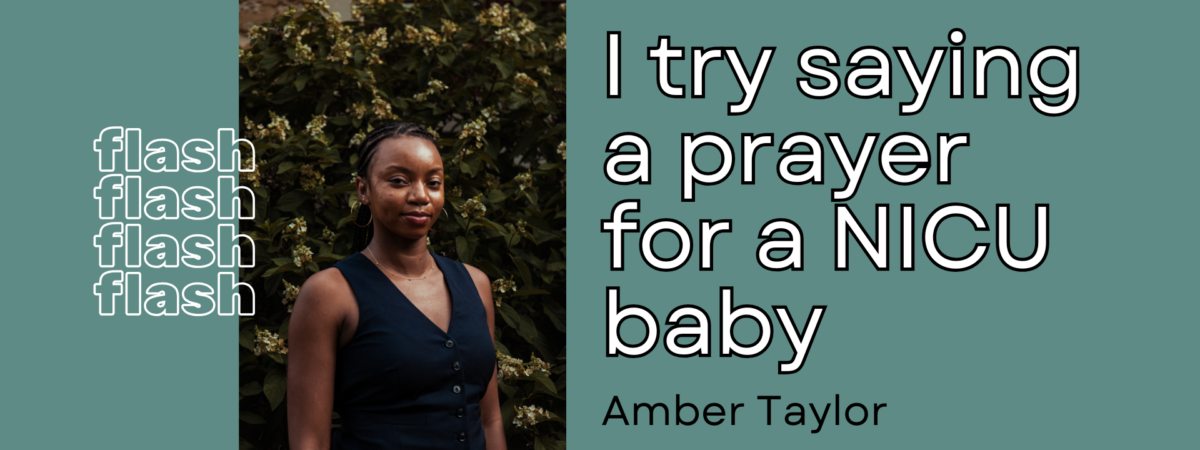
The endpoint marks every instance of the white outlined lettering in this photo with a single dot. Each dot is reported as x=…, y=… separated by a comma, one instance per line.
x=641, y=159
x=692, y=174
x=793, y=244
x=1004, y=239
x=664, y=54
x=615, y=315
x=935, y=253
x=844, y=220
x=617, y=226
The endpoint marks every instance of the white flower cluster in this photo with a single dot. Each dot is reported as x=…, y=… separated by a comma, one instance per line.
x=474, y=208
x=268, y=342
x=435, y=86
x=524, y=180
x=502, y=19
x=383, y=109
x=357, y=139
x=474, y=129
x=509, y=368
x=254, y=178
x=301, y=254
x=524, y=82
x=297, y=228
x=426, y=37
x=374, y=43
x=502, y=285
x=528, y=416
x=489, y=114
x=316, y=126
x=310, y=177
x=277, y=129
x=290, y=293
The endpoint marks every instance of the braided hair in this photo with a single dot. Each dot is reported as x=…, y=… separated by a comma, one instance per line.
x=366, y=154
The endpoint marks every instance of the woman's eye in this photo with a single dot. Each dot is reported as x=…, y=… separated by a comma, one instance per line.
x=398, y=180
x=435, y=183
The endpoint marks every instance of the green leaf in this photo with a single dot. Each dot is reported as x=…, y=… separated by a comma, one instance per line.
x=284, y=167
x=251, y=418
x=549, y=443
x=251, y=388
x=246, y=84
x=463, y=248
x=275, y=387
x=557, y=315
x=527, y=329
x=246, y=338
x=525, y=276
x=292, y=200
x=500, y=347
x=504, y=66
x=545, y=381
x=301, y=80
x=496, y=196
x=270, y=60
x=509, y=315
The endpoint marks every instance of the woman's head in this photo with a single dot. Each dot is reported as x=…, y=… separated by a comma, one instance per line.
x=400, y=183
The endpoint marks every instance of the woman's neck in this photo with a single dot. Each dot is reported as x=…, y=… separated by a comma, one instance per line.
x=408, y=258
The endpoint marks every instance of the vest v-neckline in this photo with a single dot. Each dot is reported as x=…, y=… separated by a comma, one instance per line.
x=406, y=301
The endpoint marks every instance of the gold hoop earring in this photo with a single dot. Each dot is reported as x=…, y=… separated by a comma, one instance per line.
x=354, y=216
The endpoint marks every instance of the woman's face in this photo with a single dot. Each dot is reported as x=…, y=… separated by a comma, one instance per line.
x=404, y=187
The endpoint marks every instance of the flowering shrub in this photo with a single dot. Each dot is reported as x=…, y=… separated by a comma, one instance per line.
x=489, y=81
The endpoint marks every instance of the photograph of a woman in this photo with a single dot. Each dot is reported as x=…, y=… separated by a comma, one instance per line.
x=409, y=197
x=396, y=338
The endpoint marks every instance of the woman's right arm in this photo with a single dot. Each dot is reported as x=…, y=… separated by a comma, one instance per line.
x=313, y=335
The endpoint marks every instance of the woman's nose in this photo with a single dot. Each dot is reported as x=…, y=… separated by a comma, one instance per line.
x=419, y=194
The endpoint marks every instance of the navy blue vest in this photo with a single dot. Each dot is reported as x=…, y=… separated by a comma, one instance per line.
x=403, y=383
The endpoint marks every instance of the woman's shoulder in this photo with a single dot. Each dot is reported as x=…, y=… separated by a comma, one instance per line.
x=478, y=276
x=326, y=307
x=325, y=290
x=326, y=280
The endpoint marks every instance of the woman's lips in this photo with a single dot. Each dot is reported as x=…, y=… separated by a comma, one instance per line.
x=416, y=218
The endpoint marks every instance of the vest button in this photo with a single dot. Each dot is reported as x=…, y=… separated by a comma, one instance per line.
x=450, y=343
x=462, y=437
x=457, y=389
x=460, y=413
x=457, y=366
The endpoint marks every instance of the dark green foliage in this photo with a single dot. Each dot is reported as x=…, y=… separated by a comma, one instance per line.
x=490, y=82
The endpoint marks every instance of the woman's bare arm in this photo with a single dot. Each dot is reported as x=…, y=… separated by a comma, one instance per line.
x=490, y=416
x=313, y=336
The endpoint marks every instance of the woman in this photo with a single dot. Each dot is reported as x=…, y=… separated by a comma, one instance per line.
x=394, y=338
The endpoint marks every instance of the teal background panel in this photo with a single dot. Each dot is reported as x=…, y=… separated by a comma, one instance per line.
x=1094, y=348
x=72, y=378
